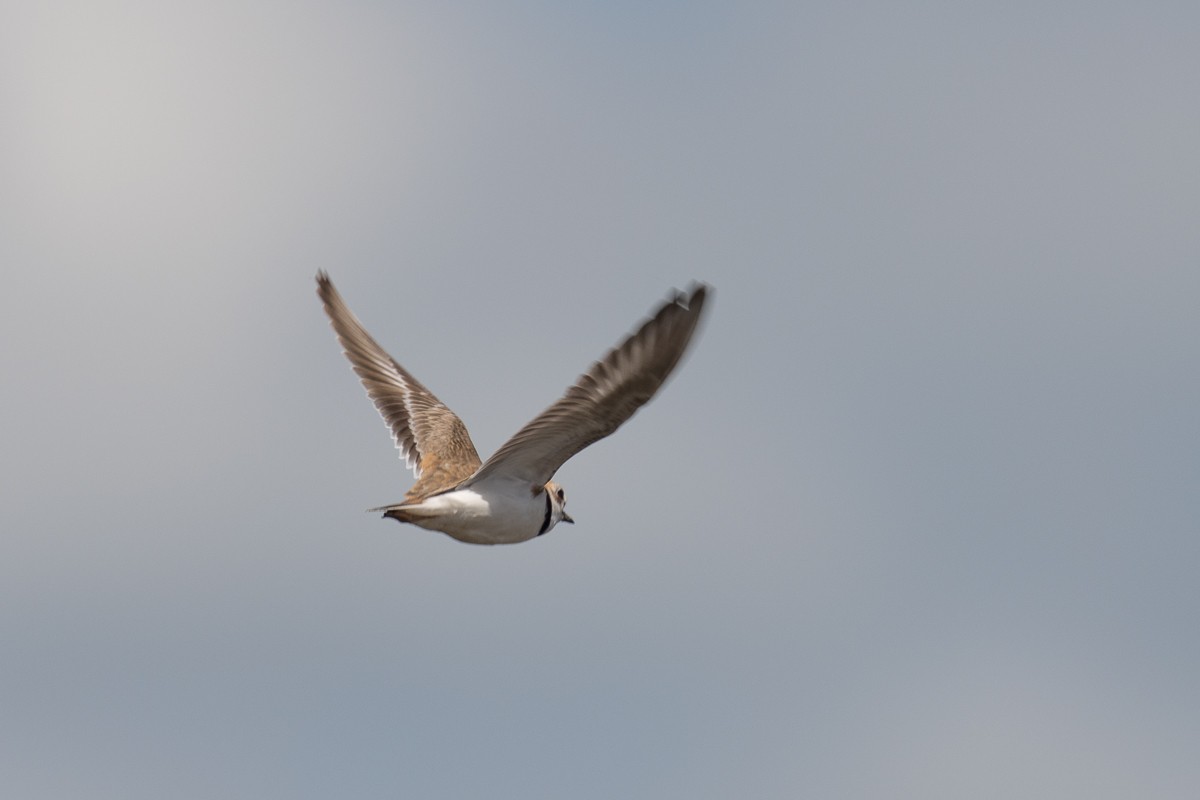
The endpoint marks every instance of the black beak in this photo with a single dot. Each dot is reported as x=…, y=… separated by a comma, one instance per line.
x=567, y=519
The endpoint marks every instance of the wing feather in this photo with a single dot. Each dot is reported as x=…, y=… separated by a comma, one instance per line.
x=432, y=440
x=604, y=397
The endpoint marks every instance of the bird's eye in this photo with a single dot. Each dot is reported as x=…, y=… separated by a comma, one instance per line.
x=561, y=495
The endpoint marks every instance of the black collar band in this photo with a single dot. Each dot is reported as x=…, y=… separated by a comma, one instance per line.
x=546, y=521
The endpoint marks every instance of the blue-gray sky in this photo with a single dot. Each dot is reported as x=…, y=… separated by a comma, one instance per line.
x=918, y=518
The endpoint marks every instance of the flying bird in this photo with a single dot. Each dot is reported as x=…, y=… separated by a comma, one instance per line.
x=510, y=497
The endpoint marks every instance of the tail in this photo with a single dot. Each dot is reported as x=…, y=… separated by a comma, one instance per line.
x=403, y=512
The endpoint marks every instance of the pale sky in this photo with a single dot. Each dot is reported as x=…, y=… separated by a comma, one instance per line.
x=918, y=518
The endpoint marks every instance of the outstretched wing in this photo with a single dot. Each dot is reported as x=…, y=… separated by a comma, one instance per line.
x=432, y=440
x=604, y=397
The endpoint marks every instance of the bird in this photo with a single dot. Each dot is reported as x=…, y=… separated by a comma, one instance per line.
x=509, y=498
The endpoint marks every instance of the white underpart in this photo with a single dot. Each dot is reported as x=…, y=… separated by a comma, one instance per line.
x=500, y=511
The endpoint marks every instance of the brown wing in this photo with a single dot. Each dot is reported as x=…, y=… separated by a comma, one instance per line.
x=604, y=397
x=432, y=440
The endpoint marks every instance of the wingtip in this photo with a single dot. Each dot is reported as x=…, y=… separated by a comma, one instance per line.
x=694, y=288
x=694, y=297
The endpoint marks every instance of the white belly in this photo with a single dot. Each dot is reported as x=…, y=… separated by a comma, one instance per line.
x=483, y=514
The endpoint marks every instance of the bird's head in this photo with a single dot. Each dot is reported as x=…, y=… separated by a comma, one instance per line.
x=558, y=502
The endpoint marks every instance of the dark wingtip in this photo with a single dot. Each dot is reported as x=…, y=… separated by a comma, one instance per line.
x=324, y=285
x=693, y=298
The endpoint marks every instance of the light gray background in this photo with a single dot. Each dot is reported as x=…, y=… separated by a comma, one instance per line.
x=918, y=518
